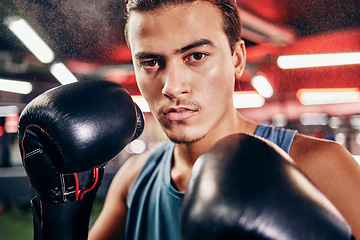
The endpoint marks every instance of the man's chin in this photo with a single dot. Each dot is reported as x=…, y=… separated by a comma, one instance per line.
x=184, y=139
x=180, y=134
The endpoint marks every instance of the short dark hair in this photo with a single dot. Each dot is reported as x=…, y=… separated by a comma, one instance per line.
x=228, y=9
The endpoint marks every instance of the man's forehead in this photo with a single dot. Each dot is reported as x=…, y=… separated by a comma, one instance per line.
x=174, y=25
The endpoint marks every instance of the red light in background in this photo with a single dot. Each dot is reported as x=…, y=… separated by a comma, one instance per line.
x=121, y=54
x=11, y=123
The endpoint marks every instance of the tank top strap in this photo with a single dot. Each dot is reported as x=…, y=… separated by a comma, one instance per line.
x=280, y=136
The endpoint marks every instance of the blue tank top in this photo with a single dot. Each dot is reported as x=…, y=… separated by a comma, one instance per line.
x=154, y=206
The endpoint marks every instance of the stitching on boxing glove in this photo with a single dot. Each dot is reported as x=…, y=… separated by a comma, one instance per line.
x=69, y=186
x=29, y=131
x=32, y=153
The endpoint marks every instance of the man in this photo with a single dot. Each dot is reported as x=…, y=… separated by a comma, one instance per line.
x=187, y=55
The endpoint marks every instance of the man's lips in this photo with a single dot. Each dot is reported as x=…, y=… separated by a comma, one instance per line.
x=178, y=114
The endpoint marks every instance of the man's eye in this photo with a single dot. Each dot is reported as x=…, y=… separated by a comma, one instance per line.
x=196, y=56
x=150, y=64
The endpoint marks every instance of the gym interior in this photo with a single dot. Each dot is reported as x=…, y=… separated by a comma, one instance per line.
x=302, y=72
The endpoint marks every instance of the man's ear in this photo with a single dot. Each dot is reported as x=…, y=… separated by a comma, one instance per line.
x=239, y=58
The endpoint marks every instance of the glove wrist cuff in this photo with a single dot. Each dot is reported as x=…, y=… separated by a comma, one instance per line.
x=60, y=221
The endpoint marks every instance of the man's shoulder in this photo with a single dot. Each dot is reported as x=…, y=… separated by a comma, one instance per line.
x=133, y=166
x=306, y=149
x=127, y=173
x=136, y=162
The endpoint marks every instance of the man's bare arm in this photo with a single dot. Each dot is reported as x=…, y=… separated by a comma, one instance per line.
x=112, y=219
x=334, y=171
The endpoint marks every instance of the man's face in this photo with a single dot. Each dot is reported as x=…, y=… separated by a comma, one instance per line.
x=184, y=68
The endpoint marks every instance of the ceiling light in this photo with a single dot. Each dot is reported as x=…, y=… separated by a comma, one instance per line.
x=340, y=138
x=279, y=120
x=328, y=95
x=262, y=85
x=313, y=119
x=62, y=74
x=355, y=121
x=13, y=86
x=357, y=158
x=30, y=39
x=248, y=99
x=11, y=123
x=141, y=102
x=318, y=60
x=334, y=122
x=137, y=146
x=8, y=110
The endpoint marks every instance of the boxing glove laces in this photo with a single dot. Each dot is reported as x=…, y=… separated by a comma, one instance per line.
x=66, y=137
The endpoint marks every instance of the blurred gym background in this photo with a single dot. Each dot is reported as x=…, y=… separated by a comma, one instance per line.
x=302, y=73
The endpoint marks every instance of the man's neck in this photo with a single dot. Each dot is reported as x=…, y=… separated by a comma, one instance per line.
x=189, y=152
x=185, y=154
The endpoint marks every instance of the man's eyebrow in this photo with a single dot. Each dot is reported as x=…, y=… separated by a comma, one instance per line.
x=147, y=55
x=195, y=44
x=198, y=43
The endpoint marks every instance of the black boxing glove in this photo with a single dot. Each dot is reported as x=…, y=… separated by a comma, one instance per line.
x=66, y=136
x=247, y=188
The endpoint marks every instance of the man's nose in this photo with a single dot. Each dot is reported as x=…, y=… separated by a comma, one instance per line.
x=176, y=82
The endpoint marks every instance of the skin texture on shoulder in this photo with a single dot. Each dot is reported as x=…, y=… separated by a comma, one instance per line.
x=111, y=222
x=334, y=171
